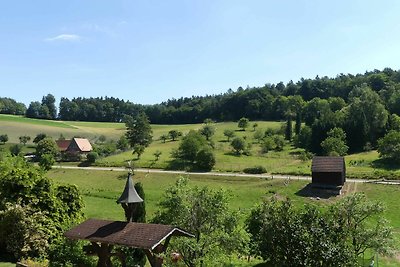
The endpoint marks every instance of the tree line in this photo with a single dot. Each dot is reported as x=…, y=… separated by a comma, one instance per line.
x=268, y=102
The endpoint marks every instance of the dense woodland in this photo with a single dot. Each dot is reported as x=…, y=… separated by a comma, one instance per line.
x=365, y=106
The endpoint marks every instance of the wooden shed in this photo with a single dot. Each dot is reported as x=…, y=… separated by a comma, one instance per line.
x=328, y=171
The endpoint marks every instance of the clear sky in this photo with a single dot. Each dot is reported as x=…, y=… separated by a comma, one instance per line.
x=148, y=51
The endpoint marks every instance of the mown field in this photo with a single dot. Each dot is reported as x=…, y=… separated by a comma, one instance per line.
x=100, y=190
x=362, y=165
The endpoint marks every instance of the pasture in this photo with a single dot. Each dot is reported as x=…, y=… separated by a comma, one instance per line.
x=360, y=165
x=100, y=190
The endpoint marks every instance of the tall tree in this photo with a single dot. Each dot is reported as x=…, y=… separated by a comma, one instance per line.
x=139, y=133
x=49, y=101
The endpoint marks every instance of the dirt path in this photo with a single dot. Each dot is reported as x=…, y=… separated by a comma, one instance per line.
x=265, y=176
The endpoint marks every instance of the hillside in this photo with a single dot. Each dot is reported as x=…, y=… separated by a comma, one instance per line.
x=365, y=164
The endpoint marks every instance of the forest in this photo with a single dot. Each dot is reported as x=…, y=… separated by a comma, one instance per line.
x=365, y=106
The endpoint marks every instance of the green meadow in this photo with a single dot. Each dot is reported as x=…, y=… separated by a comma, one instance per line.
x=101, y=189
x=360, y=165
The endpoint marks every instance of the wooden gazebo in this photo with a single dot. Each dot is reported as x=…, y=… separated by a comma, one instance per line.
x=103, y=234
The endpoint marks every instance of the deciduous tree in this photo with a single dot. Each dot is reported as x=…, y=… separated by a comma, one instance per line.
x=206, y=214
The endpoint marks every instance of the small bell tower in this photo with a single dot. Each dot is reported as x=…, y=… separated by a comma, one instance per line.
x=129, y=198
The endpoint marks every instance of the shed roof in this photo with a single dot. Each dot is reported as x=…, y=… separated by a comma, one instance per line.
x=83, y=144
x=327, y=164
x=138, y=235
x=63, y=144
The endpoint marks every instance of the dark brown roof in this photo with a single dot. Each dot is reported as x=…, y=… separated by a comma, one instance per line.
x=63, y=144
x=138, y=235
x=327, y=164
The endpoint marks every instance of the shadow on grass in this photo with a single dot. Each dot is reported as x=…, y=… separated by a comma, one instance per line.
x=310, y=191
x=385, y=164
x=85, y=164
x=176, y=165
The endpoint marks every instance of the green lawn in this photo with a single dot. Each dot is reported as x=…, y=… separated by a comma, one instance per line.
x=362, y=165
x=101, y=189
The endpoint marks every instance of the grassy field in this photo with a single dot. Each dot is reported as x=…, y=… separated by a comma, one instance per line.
x=100, y=190
x=361, y=165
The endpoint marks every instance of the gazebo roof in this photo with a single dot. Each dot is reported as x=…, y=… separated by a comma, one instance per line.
x=138, y=235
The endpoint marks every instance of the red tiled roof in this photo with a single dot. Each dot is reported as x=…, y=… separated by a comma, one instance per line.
x=63, y=144
x=83, y=144
x=327, y=164
x=138, y=235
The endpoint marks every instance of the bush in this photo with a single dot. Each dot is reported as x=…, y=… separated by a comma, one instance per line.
x=46, y=161
x=305, y=155
x=255, y=170
x=16, y=149
x=92, y=157
x=205, y=160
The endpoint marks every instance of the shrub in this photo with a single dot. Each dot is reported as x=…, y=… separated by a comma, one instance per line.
x=92, y=157
x=205, y=160
x=255, y=170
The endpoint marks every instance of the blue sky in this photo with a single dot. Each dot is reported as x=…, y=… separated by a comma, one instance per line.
x=149, y=51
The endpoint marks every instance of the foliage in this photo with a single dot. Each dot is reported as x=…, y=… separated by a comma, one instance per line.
x=255, y=170
x=23, y=231
x=69, y=253
x=389, y=146
x=139, y=133
x=195, y=149
x=255, y=125
x=335, y=143
x=279, y=142
x=92, y=157
x=15, y=149
x=243, y=123
x=268, y=144
x=24, y=139
x=3, y=138
x=282, y=234
x=47, y=146
x=258, y=135
x=208, y=131
x=365, y=117
x=106, y=149
x=163, y=137
x=46, y=161
x=101, y=139
x=229, y=133
x=10, y=106
x=42, y=209
x=364, y=225
x=122, y=143
x=239, y=145
x=303, y=140
x=174, y=134
x=205, y=160
x=206, y=214
x=190, y=145
x=289, y=129
x=39, y=137
x=138, y=150
x=44, y=110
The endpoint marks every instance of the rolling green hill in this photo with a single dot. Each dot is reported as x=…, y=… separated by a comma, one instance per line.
x=361, y=165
